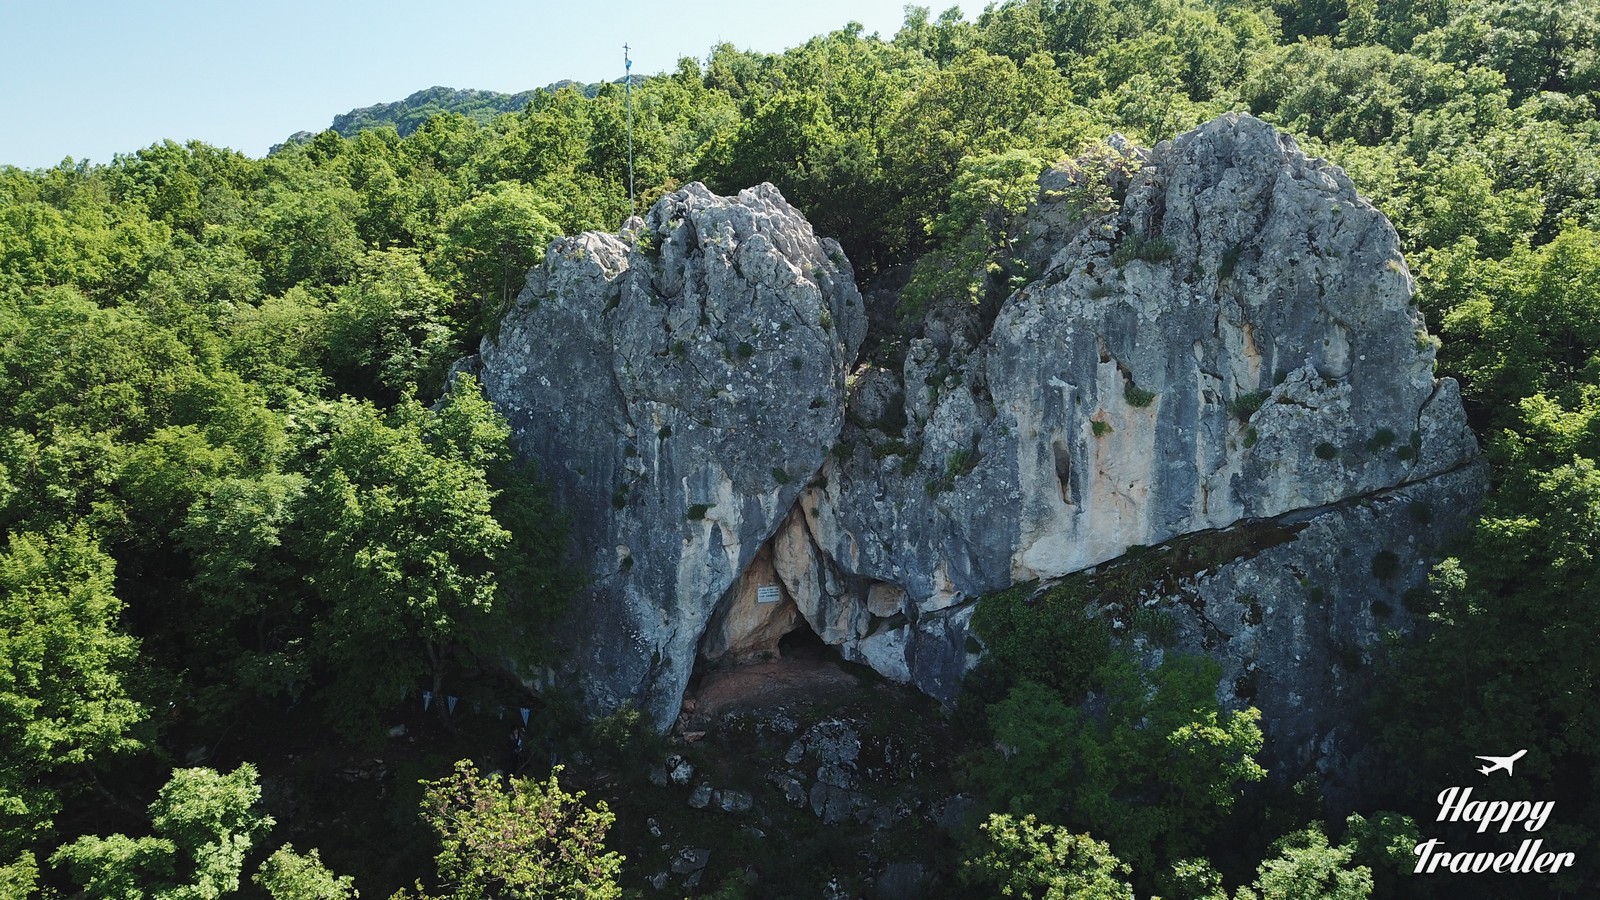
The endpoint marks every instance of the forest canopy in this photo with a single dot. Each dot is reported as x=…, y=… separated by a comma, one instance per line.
x=233, y=477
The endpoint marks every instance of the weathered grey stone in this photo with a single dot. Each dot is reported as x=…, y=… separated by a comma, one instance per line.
x=732, y=801
x=700, y=797
x=838, y=776
x=834, y=804
x=680, y=770
x=794, y=792
x=952, y=815
x=1236, y=342
x=834, y=742
x=690, y=859
x=1260, y=356
x=677, y=385
x=1120, y=400
x=1295, y=626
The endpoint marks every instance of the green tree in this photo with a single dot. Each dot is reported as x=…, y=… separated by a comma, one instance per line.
x=63, y=659
x=386, y=328
x=205, y=824
x=1154, y=776
x=410, y=565
x=493, y=240
x=528, y=840
x=1024, y=858
x=246, y=601
x=1306, y=868
x=308, y=232
x=287, y=875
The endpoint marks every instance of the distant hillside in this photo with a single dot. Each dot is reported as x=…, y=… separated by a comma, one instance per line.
x=408, y=115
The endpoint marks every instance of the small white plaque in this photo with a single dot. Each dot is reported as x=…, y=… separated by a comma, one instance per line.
x=767, y=593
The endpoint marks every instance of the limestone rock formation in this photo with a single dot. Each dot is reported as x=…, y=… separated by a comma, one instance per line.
x=1236, y=343
x=679, y=384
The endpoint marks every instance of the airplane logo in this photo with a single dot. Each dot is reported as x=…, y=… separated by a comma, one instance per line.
x=1501, y=762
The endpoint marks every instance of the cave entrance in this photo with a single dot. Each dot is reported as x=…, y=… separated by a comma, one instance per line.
x=758, y=651
x=804, y=643
x=801, y=670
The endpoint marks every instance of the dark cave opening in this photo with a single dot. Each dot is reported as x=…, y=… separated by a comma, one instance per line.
x=804, y=643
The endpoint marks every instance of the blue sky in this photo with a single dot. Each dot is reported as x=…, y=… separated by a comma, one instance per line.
x=92, y=79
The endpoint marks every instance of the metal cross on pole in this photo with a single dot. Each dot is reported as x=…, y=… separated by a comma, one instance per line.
x=627, y=93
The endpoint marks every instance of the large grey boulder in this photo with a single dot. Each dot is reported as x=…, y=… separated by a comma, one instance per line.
x=1238, y=341
x=678, y=384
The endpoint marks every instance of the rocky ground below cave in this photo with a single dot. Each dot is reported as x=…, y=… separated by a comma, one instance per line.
x=836, y=782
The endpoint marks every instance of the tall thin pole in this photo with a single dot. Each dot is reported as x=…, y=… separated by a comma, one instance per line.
x=627, y=93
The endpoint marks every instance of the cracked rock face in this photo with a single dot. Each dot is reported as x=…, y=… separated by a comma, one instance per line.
x=678, y=384
x=1237, y=342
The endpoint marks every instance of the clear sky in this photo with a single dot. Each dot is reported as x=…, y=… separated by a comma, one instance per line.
x=96, y=78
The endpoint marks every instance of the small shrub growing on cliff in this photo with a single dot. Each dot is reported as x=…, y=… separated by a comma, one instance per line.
x=1326, y=450
x=1137, y=246
x=960, y=463
x=1051, y=639
x=908, y=463
x=1157, y=625
x=1244, y=406
x=1137, y=396
x=648, y=244
x=1101, y=429
x=698, y=511
x=1381, y=439
x=957, y=464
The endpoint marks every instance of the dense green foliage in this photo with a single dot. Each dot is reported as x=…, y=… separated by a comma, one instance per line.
x=528, y=841
x=1021, y=857
x=233, y=481
x=205, y=824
